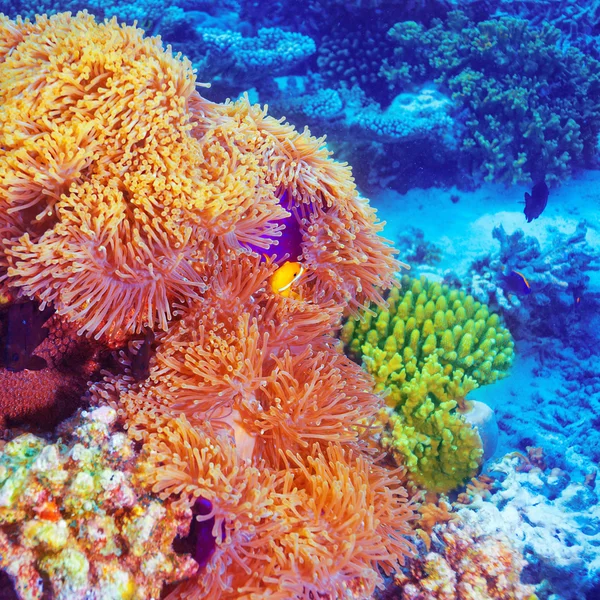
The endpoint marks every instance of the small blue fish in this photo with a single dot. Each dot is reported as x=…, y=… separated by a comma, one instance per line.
x=24, y=331
x=536, y=202
x=516, y=283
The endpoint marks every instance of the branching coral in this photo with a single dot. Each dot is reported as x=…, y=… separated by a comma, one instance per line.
x=559, y=276
x=530, y=105
x=427, y=352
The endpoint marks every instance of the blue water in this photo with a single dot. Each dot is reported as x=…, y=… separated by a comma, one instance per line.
x=450, y=113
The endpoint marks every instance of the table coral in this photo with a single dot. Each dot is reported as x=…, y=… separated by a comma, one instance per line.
x=229, y=57
x=427, y=352
x=74, y=523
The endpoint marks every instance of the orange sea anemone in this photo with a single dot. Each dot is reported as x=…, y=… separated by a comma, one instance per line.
x=319, y=528
x=313, y=397
x=341, y=247
x=249, y=359
x=120, y=186
x=97, y=167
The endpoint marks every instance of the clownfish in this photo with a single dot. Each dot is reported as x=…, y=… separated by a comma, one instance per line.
x=284, y=278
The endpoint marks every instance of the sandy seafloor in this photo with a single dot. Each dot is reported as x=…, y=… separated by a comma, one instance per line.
x=553, y=517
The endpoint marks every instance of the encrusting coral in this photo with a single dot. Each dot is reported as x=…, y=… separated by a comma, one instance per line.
x=427, y=351
x=73, y=512
x=464, y=563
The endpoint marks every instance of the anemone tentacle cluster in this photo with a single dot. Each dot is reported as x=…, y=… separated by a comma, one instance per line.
x=120, y=185
x=132, y=205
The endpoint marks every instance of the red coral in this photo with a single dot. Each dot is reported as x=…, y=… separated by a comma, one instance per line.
x=45, y=397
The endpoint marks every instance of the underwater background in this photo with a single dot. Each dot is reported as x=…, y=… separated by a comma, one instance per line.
x=472, y=127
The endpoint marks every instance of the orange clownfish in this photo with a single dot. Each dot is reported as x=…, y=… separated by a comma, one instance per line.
x=283, y=280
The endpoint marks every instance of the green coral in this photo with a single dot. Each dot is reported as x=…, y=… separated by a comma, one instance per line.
x=426, y=352
x=530, y=106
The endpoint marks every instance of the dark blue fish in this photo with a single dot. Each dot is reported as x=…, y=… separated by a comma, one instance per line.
x=536, y=202
x=140, y=362
x=24, y=331
x=516, y=283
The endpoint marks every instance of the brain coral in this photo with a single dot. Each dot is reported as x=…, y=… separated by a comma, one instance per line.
x=120, y=185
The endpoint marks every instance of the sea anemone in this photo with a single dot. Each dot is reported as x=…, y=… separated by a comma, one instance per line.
x=322, y=526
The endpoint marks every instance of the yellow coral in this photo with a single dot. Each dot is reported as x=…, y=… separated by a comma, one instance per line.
x=426, y=353
x=426, y=318
x=427, y=435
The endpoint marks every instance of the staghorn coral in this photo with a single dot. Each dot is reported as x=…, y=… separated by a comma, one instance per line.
x=427, y=352
x=135, y=201
x=72, y=512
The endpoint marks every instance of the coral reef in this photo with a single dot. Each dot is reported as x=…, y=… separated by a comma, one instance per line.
x=465, y=563
x=75, y=524
x=558, y=273
x=551, y=519
x=529, y=104
x=427, y=351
